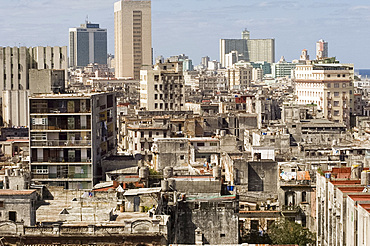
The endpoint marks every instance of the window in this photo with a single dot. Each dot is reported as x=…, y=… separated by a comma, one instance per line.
x=155, y=96
x=336, y=103
x=1, y=204
x=304, y=196
x=182, y=157
x=181, y=145
x=328, y=77
x=338, y=75
x=344, y=85
x=254, y=225
x=13, y=216
x=336, y=112
x=213, y=144
x=200, y=144
x=336, y=94
x=329, y=85
x=150, y=134
x=222, y=235
x=336, y=85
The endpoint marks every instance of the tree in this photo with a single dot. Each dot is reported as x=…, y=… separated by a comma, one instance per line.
x=285, y=231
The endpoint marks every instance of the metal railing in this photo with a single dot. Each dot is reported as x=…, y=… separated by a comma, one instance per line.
x=61, y=143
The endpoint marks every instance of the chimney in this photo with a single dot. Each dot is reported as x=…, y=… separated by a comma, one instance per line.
x=198, y=236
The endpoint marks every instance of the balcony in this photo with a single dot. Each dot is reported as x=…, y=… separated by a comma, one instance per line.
x=60, y=127
x=61, y=160
x=61, y=176
x=36, y=110
x=290, y=208
x=61, y=143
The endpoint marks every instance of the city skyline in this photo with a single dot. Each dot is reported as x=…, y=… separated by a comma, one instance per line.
x=195, y=27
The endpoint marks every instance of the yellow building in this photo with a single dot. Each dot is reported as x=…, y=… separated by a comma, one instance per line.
x=132, y=37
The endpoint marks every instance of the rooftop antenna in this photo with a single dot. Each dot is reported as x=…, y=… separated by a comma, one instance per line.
x=87, y=19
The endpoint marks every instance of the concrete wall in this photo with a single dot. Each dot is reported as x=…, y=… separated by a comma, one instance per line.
x=218, y=221
x=191, y=187
x=22, y=205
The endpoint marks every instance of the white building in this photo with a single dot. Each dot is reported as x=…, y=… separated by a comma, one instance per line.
x=329, y=86
x=162, y=87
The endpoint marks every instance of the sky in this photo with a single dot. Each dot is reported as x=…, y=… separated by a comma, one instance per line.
x=194, y=27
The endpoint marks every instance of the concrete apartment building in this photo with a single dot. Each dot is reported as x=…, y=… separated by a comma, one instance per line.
x=329, y=86
x=133, y=37
x=15, y=77
x=249, y=50
x=342, y=207
x=239, y=76
x=162, y=87
x=87, y=44
x=283, y=69
x=69, y=135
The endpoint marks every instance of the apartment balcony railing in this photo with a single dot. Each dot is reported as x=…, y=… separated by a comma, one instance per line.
x=56, y=111
x=64, y=127
x=290, y=208
x=61, y=176
x=61, y=143
x=61, y=160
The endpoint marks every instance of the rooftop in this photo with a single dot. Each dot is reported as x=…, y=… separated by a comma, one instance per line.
x=16, y=192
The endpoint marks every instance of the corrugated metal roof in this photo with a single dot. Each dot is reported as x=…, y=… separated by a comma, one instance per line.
x=141, y=191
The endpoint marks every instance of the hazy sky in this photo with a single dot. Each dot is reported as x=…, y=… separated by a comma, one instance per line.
x=194, y=27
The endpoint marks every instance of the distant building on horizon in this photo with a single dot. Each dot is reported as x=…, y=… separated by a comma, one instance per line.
x=322, y=50
x=249, y=50
x=133, y=37
x=27, y=71
x=87, y=44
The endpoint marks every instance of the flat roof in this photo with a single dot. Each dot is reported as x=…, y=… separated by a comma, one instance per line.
x=140, y=191
x=16, y=192
x=67, y=95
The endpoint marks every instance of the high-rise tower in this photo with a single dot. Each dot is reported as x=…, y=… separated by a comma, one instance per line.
x=322, y=50
x=87, y=44
x=133, y=37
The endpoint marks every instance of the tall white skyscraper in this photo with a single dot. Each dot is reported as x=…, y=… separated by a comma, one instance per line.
x=133, y=37
x=322, y=50
x=87, y=44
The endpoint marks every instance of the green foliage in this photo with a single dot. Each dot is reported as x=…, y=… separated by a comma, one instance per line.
x=153, y=172
x=320, y=171
x=288, y=232
x=154, y=177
